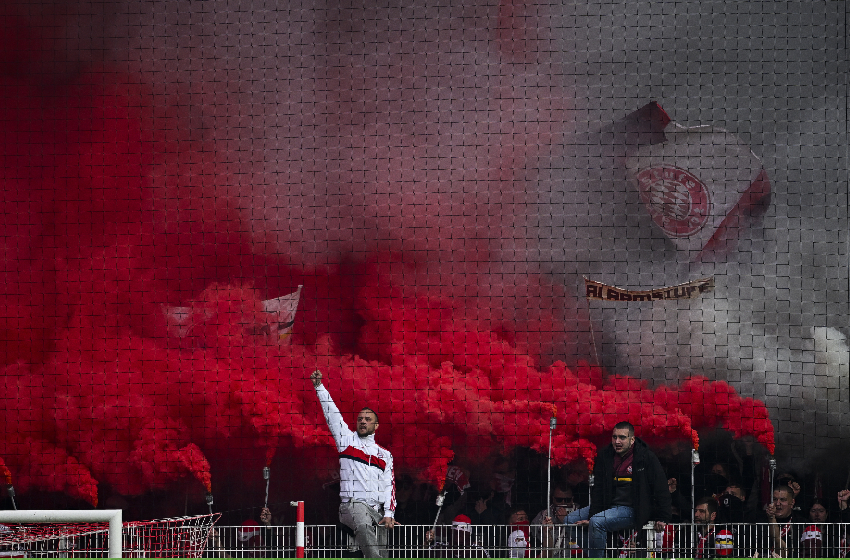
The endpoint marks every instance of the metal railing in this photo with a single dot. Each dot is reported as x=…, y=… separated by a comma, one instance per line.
x=804, y=540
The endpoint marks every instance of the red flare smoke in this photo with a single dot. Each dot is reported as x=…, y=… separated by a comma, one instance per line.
x=7, y=474
x=103, y=394
x=42, y=465
x=715, y=403
x=270, y=453
x=160, y=461
x=452, y=387
x=197, y=464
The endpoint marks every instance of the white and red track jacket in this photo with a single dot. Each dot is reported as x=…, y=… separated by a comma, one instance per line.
x=365, y=468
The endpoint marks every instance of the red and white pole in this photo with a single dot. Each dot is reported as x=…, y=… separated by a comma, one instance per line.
x=299, y=528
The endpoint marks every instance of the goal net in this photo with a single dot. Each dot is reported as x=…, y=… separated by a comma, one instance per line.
x=99, y=534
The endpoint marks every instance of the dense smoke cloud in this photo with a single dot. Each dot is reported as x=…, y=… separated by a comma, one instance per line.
x=425, y=172
x=135, y=412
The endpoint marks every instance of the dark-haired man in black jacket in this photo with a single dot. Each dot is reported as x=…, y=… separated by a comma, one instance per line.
x=630, y=489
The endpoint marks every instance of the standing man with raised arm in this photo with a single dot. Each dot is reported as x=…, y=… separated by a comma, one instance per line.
x=367, y=485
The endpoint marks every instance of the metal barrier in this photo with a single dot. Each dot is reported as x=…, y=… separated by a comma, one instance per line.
x=737, y=540
x=805, y=540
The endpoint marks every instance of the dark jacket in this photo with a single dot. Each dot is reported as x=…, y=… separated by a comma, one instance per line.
x=790, y=530
x=650, y=493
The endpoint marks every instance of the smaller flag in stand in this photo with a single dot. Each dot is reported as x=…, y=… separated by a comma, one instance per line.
x=458, y=476
x=724, y=542
x=811, y=541
x=280, y=313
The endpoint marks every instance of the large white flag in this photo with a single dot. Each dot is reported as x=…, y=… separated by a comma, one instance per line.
x=700, y=184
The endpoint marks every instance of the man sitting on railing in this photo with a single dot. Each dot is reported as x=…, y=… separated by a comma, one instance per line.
x=631, y=489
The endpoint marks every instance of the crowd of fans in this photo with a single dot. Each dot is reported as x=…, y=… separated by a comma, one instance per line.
x=791, y=517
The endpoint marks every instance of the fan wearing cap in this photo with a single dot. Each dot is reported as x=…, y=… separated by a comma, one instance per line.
x=783, y=524
x=458, y=543
x=367, y=484
x=820, y=538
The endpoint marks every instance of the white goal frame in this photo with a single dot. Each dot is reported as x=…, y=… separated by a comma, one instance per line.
x=112, y=516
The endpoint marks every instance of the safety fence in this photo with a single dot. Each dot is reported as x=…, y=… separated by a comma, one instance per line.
x=803, y=540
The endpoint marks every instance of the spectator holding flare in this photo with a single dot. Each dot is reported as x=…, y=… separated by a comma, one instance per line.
x=367, y=485
x=557, y=540
x=631, y=488
x=783, y=524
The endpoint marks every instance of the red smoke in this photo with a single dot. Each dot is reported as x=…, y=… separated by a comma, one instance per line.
x=107, y=223
x=135, y=412
x=715, y=403
x=7, y=474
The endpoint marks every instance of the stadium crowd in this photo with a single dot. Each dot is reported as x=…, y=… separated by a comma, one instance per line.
x=742, y=508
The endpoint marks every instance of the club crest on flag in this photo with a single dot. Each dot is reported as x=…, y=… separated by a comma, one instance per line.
x=679, y=203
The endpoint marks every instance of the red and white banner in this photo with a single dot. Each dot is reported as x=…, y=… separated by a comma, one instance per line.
x=688, y=290
x=458, y=476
